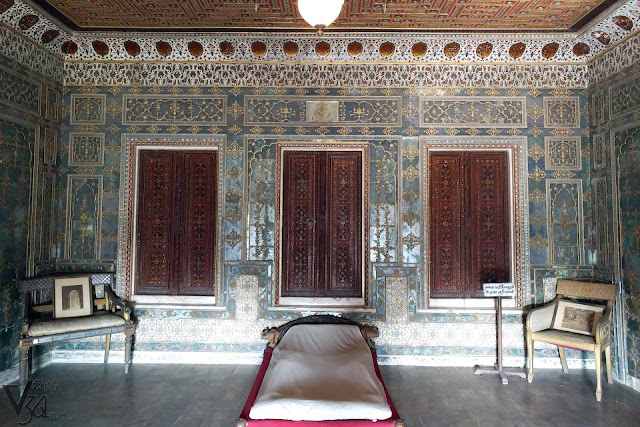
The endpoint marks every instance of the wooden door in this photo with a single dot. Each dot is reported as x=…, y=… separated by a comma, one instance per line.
x=322, y=224
x=469, y=224
x=176, y=222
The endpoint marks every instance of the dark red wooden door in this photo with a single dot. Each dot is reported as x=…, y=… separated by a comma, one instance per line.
x=176, y=222
x=469, y=222
x=322, y=224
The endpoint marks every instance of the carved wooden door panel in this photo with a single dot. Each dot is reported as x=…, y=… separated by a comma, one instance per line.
x=344, y=247
x=176, y=222
x=198, y=238
x=469, y=222
x=157, y=199
x=300, y=224
x=488, y=220
x=322, y=224
x=445, y=238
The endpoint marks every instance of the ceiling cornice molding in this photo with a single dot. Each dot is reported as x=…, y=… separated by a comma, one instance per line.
x=27, y=53
x=410, y=76
x=292, y=48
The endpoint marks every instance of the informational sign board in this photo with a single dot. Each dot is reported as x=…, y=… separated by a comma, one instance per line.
x=505, y=290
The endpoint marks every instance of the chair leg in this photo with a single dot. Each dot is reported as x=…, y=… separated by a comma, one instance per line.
x=563, y=360
x=127, y=351
x=24, y=367
x=607, y=355
x=530, y=352
x=598, y=354
x=107, y=344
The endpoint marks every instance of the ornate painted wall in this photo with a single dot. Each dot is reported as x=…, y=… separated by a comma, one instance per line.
x=29, y=106
x=392, y=95
x=615, y=106
x=548, y=127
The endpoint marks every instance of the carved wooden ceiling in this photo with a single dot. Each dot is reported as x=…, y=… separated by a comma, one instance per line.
x=356, y=15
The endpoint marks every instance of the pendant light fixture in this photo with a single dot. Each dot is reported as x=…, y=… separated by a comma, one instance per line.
x=320, y=13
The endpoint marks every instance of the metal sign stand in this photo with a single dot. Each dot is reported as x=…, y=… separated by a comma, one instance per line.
x=492, y=290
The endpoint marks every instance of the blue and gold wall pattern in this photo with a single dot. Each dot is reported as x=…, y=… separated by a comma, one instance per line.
x=615, y=109
x=393, y=121
x=29, y=105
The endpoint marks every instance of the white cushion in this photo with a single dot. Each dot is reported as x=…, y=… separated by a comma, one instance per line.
x=555, y=336
x=74, y=324
x=321, y=372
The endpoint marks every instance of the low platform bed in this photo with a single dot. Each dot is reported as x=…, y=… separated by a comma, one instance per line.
x=319, y=370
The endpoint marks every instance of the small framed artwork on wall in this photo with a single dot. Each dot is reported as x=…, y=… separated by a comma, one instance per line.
x=72, y=297
x=576, y=317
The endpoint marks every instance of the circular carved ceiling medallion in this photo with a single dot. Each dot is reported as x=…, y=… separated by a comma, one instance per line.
x=550, y=49
x=517, y=50
x=5, y=5
x=100, y=47
x=195, y=48
x=387, y=49
x=354, y=49
x=163, y=48
x=226, y=48
x=602, y=37
x=290, y=49
x=419, y=49
x=323, y=48
x=259, y=49
x=69, y=47
x=581, y=49
x=49, y=36
x=484, y=49
x=132, y=48
x=27, y=21
x=623, y=22
x=451, y=49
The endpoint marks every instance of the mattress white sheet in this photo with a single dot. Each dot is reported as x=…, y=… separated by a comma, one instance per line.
x=321, y=372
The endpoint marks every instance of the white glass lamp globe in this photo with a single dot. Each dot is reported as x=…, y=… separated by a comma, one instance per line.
x=320, y=13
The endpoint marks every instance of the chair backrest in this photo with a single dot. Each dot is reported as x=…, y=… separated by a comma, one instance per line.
x=38, y=291
x=586, y=290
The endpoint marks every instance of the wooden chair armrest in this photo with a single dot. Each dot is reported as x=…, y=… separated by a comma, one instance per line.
x=272, y=335
x=541, y=318
x=369, y=332
x=603, y=328
x=116, y=301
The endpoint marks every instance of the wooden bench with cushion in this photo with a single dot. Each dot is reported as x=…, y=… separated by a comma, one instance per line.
x=111, y=315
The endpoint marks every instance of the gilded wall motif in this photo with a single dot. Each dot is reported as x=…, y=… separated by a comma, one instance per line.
x=84, y=209
x=479, y=112
x=357, y=111
x=561, y=111
x=201, y=110
x=18, y=92
x=88, y=109
x=50, y=143
x=624, y=97
x=599, y=151
x=86, y=149
x=565, y=221
x=563, y=153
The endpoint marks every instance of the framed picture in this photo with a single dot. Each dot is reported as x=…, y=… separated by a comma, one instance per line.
x=576, y=317
x=72, y=297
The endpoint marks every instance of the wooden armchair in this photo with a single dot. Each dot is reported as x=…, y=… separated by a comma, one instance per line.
x=540, y=326
x=111, y=315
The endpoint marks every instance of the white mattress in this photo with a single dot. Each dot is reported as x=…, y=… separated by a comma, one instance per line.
x=321, y=372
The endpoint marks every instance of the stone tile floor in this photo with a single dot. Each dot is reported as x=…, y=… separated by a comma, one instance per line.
x=213, y=395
